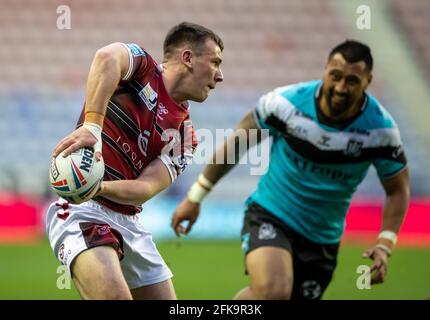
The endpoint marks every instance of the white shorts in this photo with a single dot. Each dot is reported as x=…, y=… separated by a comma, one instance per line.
x=73, y=229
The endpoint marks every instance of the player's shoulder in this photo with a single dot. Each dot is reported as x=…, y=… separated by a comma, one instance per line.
x=135, y=49
x=292, y=96
x=300, y=90
x=377, y=115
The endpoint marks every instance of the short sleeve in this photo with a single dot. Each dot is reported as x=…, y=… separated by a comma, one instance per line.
x=389, y=157
x=272, y=112
x=138, y=61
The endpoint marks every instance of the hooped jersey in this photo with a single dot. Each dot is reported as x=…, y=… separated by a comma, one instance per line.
x=316, y=166
x=143, y=123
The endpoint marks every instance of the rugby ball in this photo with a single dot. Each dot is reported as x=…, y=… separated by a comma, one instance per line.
x=77, y=177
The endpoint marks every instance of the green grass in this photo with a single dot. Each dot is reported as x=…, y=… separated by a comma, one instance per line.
x=214, y=270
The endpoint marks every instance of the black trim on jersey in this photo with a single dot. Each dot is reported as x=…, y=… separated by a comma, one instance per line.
x=276, y=123
x=114, y=173
x=118, y=149
x=122, y=121
x=312, y=153
x=159, y=129
x=128, y=118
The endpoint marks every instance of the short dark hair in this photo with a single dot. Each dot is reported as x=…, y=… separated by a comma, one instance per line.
x=354, y=51
x=187, y=32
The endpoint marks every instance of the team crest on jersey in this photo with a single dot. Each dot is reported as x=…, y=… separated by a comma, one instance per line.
x=149, y=96
x=353, y=148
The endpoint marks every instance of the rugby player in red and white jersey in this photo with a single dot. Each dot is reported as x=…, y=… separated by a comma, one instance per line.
x=136, y=116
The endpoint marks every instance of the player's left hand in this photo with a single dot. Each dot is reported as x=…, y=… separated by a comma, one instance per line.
x=379, y=266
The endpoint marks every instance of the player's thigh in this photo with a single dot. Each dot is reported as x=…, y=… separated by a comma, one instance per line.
x=97, y=274
x=314, y=265
x=271, y=272
x=158, y=291
x=268, y=254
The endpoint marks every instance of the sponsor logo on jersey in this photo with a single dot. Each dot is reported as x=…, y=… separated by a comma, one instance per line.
x=136, y=51
x=324, y=141
x=142, y=141
x=353, y=148
x=298, y=132
x=266, y=232
x=149, y=96
x=162, y=111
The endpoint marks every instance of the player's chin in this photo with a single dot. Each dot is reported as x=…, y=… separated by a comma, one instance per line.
x=338, y=107
x=202, y=97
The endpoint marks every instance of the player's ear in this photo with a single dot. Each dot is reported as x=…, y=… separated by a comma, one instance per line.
x=187, y=57
x=369, y=78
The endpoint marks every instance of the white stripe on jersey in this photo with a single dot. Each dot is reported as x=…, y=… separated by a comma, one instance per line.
x=130, y=62
x=304, y=128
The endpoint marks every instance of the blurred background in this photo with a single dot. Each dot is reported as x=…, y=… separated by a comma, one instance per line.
x=268, y=43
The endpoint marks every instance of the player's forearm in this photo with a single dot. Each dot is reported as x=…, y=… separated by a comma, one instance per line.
x=224, y=159
x=103, y=78
x=395, y=208
x=396, y=205
x=128, y=192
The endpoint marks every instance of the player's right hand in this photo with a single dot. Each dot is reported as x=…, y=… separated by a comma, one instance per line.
x=81, y=137
x=186, y=211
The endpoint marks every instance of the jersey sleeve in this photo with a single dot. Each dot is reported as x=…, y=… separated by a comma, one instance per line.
x=272, y=112
x=389, y=157
x=138, y=61
x=179, y=152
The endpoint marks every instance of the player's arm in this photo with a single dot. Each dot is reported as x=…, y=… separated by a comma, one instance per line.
x=396, y=204
x=153, y=179
x=189, y=208
x=109, y=66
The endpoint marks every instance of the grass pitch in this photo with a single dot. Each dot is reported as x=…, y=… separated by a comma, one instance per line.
x=214, y=270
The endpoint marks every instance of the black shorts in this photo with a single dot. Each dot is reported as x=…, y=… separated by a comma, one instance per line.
x=313, y=263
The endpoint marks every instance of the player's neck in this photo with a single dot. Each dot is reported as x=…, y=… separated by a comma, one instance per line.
x=172, y=84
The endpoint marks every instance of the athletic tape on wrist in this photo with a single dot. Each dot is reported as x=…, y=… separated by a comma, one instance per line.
x=205, y=182
x=388, y=235
x=96, y=131
x=384, y=248
x=197, y=193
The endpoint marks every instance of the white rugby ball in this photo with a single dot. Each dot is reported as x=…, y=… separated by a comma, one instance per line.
x=76, y=178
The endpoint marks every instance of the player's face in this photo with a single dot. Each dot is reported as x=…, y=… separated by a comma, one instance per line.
x=344, y=83
x=206, y=71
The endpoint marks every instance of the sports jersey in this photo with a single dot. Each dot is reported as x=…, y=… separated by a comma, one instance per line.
x=316, y=165
x=143, y=123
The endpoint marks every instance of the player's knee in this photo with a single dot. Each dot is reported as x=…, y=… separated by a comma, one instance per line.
x=118, y=295
x=273, y=289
